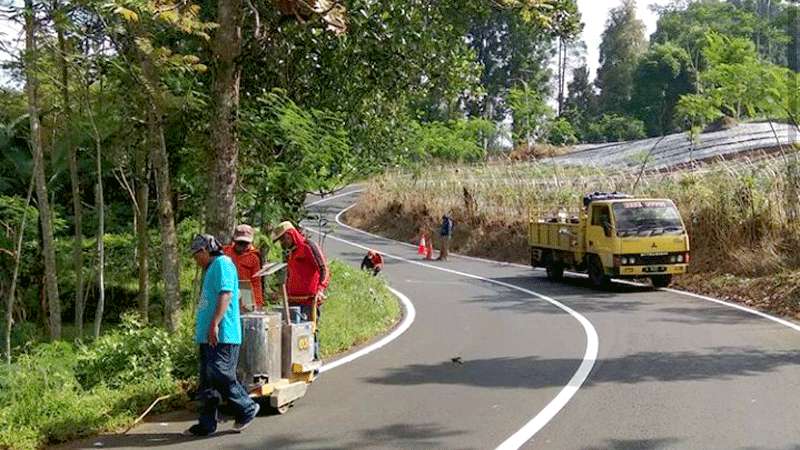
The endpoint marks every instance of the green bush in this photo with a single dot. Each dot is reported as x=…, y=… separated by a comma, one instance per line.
x=616, y=128
x=127, y=355
x=42, y=402
x=562, y=133
x=58, y=391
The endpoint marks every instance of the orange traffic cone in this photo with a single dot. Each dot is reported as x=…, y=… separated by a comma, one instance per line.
x=421, y=250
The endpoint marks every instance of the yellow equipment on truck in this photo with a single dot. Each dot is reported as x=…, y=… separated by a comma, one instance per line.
x=613, y=235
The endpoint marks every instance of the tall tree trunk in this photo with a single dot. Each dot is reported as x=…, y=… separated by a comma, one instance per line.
x=101, y=288
x=31, y=86
x=561, y=74
x=13, y=289
x=142, y=238
x=72, y=156
x=166, y=215
x=166, y=219
x=226, y=47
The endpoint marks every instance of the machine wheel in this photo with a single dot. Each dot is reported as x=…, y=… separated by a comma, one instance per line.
x=661, y=281
x=283, y=409
x=555, y=270
x=597, y=274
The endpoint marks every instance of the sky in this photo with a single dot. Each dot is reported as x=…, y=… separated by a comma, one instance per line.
x=594, y=14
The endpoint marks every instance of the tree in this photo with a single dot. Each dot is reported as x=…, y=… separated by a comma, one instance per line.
x=663, y=76
x=226, y=47
x=43, y=202
x=530, y=114
x=736, y=83
x=615, y=128
x=622, y=45
x=580, y=107
x=60, y=19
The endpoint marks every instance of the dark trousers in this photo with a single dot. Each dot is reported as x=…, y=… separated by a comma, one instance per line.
x=305, y=313
x=218, y=382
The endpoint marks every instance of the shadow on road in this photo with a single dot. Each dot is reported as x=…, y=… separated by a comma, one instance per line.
x=718, y=363
x=636, y=444
x=410, y=435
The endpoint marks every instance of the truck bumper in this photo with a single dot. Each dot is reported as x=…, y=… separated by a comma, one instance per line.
x=646, y=271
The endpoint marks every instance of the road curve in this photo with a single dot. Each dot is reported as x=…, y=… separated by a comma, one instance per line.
x=671, y=371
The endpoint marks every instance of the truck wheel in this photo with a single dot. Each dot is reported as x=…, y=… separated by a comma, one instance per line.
x=597, y=274
x=555, y=270
x=661, y=281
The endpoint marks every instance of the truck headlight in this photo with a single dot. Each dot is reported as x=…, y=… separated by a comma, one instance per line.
x=680, y=258
x=673, y=259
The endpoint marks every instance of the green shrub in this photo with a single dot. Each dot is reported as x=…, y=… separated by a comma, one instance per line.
x=57, y=391
x=124, y=356
x=616, y=128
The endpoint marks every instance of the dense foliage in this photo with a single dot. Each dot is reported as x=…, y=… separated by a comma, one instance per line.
x=707, y=60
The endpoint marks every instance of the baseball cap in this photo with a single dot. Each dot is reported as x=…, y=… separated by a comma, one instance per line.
x=243, y=233
x=204, y=242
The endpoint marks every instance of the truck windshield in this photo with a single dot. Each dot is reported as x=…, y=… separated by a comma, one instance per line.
x=647, y=218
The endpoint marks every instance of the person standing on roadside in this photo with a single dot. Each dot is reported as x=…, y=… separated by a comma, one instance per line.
x=446, y=233
x=218, y=333
x=247, y=260
x=307, y=274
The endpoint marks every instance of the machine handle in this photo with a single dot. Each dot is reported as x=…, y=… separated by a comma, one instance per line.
x=314, y=314
x=287, y=319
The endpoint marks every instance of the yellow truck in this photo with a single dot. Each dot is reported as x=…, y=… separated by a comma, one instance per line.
x=613, y=235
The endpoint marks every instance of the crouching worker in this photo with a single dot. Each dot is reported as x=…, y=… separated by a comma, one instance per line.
x=373, y=262
x=307, y=274
x=218, y=332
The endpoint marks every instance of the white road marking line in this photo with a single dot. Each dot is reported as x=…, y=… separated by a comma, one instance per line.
x=783, y=322
x=787, y=323
x=544, y=416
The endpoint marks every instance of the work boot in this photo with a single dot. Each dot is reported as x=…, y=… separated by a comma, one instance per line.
x=240, y=426
x=198, y=430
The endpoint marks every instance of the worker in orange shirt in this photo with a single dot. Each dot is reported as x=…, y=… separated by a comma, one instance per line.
x=247, y=260
x=372, y=262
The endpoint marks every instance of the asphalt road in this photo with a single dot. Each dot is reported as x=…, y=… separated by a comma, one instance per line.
x=670, y=370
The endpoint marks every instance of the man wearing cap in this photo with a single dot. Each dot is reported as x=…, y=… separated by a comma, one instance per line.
x=218, y=332
x=247, y=260
x=307, y=274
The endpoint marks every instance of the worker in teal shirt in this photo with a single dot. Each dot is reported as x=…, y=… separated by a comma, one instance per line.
x=218, y=332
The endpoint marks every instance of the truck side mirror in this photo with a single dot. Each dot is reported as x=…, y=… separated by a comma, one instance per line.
x=607, y=228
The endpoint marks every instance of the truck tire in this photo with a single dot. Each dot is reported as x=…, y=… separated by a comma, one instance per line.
x=661, y=281
x=555, y=269
x=597, y=273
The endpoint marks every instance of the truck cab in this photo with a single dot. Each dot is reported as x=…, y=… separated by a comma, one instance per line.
x=617, y=236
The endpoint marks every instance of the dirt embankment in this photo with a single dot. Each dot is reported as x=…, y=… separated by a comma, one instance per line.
x=475, y=235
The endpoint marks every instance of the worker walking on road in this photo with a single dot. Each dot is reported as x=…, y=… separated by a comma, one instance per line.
x=247, y=260
x=218, y=333
x=446, y=233
x=372, y=262
x=307, y=274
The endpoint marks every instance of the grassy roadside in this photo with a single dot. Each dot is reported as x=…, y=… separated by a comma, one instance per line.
x=61, y=391
x=743, y=217
x=359, y=307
